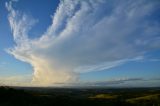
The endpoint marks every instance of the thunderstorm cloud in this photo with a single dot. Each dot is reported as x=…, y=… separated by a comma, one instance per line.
x=85, y=36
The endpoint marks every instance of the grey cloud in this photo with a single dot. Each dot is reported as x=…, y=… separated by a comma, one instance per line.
x=106, y=83
x=117, y=81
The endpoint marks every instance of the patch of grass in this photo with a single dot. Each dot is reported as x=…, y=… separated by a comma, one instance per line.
x=103, y=96
x=148, y=98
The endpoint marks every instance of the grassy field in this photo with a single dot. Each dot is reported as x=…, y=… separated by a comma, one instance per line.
x=152, y=99
x=103, y=96
x=79, y=96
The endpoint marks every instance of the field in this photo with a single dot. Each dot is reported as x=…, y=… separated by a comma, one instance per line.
x=23, y=96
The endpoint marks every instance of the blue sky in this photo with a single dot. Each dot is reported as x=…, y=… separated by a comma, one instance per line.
x=46, y=42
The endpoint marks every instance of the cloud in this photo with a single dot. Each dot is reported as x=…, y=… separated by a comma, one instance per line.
x=117, y=81
x=106, y=65
x=112, y=82
x=123, y=82
x=19, y=80
x=85, y=36
x=3, y=64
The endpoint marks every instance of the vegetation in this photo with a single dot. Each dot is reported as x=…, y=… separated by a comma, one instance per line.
x=79, y=97
x=153, y=100
x=104, y=96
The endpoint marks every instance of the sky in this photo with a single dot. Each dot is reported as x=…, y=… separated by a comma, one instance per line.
x=80, y=43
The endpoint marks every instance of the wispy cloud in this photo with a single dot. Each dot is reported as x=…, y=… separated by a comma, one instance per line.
x=105, y=83
x=85, y=36
x=117, y=81
x=106, y=65
x=2, y=64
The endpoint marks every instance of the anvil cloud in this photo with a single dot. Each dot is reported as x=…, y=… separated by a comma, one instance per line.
x=85, y=36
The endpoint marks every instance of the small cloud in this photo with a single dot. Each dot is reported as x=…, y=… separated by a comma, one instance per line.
x=154, y=60
x=157, y=78
x=3, y=64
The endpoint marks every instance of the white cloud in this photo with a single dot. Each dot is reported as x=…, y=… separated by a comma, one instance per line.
x=19, y=80
x=106, y=65
x=85, y=36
